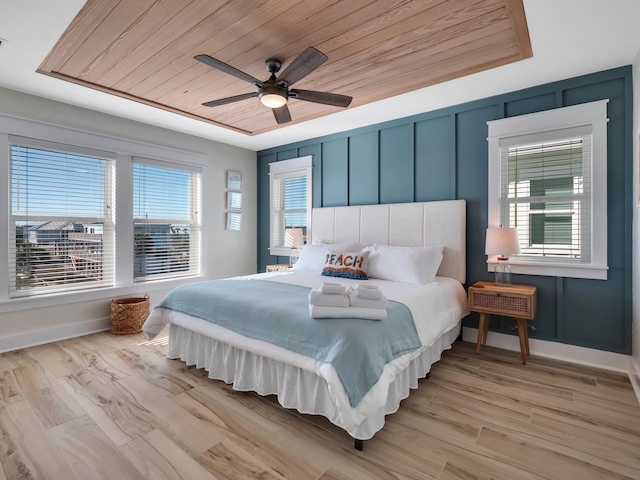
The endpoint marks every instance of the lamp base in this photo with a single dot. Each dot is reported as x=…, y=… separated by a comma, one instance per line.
x=503, y=272
x=293, y=256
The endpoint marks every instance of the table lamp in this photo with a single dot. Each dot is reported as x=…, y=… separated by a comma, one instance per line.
x=502, y=242
x=294, y=238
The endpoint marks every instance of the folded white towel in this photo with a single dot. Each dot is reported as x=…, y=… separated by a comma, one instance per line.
x=370, y=292
x=316, y=297
x=333, y=288
x=356, y=300
x=319, y=311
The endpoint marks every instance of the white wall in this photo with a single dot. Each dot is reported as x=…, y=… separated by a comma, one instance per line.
x=635, y=328
x=227, y=253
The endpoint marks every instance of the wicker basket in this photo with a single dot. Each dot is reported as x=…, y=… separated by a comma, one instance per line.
x=128, y=314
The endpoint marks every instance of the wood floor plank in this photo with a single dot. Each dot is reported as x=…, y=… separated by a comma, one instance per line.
x=609, y=449
x=614, y=405
x=334, y=474
x=259, y=409
x=55, y=360
x=476, y=408
x=606, y=433
x=545, y=460
x=447, y=421
x=511, y=393
x=428, y=446
x=9, y=390
x=93, y=360
x=230, y=462
x=193, y=434
x=156, y=456
x=37, y=387
x=608, y=422
x=15, y=359
x=26, y=450
x=381, y=459
x=90, y=453
x=281, y=458
x=118, y=413
x=543, y=376
x=156, y=372
x=463, y=469
x=107, y=342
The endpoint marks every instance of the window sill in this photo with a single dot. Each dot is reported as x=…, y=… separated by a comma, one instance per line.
x=592, y=272
x=282, y=251
x=19, y=304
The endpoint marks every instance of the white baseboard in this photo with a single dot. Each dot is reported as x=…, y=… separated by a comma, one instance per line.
x=39, y=337
x=558, y=351
x=634, y=376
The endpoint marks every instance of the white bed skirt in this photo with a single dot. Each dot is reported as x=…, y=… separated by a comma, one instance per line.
x=296, y=388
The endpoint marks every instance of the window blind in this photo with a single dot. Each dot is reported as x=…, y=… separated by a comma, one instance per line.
x=61, y=219
x=167, y=221
x=546, y=195
x=289, y=205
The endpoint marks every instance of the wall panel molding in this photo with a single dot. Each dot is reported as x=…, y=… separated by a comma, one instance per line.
x=442, y=155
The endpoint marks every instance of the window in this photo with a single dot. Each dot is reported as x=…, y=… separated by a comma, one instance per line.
x=71, y=219
x=547, y=178
x=61, y=223
x=290, y=188
x=167, y=228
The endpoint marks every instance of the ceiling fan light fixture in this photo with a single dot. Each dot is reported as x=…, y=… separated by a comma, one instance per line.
x=273, y=100
x=274, y=93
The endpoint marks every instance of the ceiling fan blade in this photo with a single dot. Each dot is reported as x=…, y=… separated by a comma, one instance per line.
x=223, y=67
x=303, y=65
x=282, y=114
x=235, y=98
x=321, y=97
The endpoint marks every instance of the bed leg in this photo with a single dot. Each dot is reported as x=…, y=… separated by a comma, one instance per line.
x=359, y=444
x=428, y=375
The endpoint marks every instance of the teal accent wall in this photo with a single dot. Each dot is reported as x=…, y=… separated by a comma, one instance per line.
x=442, y=155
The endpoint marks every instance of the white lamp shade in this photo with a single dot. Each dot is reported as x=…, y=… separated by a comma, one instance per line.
x=293, y=237
x=502, y=241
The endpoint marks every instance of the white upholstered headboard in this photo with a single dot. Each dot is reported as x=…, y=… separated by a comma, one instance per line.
x=405, y=224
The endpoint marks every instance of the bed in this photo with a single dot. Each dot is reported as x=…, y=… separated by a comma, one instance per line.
x=305, y=382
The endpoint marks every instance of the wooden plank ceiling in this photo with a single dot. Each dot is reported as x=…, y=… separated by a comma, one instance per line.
x=143, y=50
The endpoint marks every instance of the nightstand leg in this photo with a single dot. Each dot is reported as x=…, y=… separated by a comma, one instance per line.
x=483, y=326
x=526, y=336
x=486, y=330
x=522, y=325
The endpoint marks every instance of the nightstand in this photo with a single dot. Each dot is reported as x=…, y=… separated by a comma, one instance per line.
x=279, y=267
x=518, y=301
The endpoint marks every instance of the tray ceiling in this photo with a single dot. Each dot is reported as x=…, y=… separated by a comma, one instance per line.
x=144, y=50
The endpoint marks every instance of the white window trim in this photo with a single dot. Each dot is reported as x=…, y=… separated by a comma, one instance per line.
x=593, y=114
x=124, y=150
x=295, y=167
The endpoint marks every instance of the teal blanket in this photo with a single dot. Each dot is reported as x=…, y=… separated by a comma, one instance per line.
x=279, y=313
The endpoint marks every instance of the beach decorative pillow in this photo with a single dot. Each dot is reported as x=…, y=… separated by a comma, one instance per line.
x=346, y=265
x=312, y=256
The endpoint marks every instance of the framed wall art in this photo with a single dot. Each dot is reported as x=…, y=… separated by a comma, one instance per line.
x=234, y=180
x=234, y=221
x=234, y=201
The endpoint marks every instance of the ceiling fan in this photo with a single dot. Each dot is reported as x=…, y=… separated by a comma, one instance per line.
x=275, y=92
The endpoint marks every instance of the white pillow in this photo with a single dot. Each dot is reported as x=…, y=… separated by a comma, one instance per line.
x=416, y=265
x=312, y=257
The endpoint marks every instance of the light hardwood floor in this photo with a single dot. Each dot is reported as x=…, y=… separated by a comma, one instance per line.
x=113, y=407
